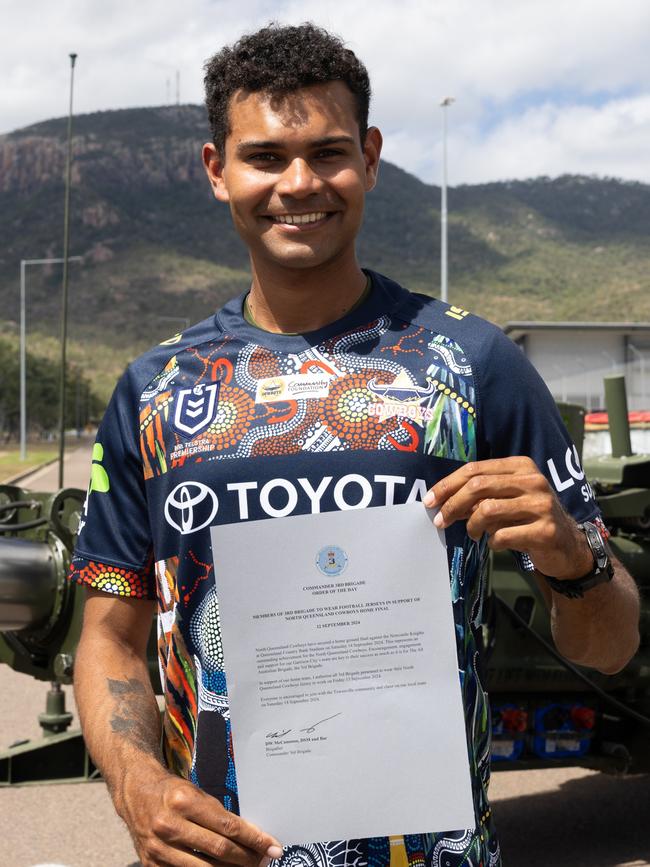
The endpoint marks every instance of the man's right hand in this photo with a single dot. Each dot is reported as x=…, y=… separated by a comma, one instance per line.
x=172, y=822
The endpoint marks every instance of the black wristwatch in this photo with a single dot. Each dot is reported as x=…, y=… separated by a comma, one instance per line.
x=602, y=572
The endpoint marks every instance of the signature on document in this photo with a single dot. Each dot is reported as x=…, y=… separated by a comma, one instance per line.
x=308, y=730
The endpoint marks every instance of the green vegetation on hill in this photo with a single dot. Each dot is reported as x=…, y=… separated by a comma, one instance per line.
x=158, y=250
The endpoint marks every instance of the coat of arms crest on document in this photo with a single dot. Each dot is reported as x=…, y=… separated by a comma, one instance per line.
x=331, y=560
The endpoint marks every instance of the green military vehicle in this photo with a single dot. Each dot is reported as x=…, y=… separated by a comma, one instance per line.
x=545, y=711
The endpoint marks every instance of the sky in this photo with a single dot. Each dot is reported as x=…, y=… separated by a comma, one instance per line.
x=541, y=87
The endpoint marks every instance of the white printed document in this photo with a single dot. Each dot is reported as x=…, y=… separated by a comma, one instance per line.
x=342, y=673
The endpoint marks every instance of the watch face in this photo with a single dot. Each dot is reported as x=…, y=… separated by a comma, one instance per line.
x=603, y=570
x=595, y=541
x=598, y=548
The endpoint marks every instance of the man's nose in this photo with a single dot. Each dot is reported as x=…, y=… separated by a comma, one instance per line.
x=298, y=180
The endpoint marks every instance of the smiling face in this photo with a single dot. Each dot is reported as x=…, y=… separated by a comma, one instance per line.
x=295, y=175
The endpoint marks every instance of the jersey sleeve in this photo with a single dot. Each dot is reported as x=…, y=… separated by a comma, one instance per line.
x=520, y=417
x=114, y=551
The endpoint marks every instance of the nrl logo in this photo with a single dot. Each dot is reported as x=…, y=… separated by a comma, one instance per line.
x=196, y=408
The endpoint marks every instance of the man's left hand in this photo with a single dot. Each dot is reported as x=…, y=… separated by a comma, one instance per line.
x=511, y=501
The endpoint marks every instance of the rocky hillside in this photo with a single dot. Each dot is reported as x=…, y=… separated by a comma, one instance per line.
x=158, y=250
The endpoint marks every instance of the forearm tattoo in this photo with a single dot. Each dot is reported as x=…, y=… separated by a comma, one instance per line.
x=133, y=717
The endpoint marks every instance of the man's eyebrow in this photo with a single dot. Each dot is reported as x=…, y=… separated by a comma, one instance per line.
x=334, y=139
x=256, y=145
x=276, y=145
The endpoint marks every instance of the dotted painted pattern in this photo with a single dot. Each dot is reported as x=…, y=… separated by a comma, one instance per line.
x=205, y=630
x=112, y=579
x=150, y=412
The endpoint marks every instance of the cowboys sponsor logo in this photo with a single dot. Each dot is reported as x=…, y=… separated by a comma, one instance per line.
x=402, y=398
x=190, y=507
x=299, y=386
x=196, y=408
x=401, y=390
x=270, y=390
x=405, y=409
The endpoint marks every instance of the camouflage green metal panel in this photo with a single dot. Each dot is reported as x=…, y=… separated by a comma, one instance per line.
x=518, y=662
x=40, y=613
x=622, y=467
x=632, y=471
x=40, y=626
x=573, y=416
x=544, y=709
x=619, y=429
x=601, y=717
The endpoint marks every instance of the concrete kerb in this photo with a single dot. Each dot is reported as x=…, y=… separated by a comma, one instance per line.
x=12, y=480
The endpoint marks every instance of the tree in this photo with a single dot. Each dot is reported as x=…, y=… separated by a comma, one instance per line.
x=43, y=382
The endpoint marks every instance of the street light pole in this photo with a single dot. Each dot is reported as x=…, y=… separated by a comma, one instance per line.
x=64, y=301
x=24, y=263
x=444, y=104
x=23, y=375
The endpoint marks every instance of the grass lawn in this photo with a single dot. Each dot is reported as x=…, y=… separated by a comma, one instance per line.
x=11, y=465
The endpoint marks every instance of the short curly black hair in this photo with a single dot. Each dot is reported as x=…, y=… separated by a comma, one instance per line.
x=280, y=59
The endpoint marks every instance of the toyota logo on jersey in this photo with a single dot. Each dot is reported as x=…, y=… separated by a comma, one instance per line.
x=196, y=408
x=191, y=506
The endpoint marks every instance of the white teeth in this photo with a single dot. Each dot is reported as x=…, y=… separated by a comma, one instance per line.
x=299, y=219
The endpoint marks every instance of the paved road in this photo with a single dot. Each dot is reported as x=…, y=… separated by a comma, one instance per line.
x=76, y=470
x=550, y=818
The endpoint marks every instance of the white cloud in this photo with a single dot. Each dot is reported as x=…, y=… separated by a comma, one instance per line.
x=496, y=56
x=609, y=140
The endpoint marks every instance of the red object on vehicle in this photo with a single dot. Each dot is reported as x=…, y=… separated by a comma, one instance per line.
x=641, y=416
x=583, y=717
x=514, y=719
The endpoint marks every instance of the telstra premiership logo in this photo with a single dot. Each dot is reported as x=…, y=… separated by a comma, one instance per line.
x=196, y=408
x=191, y=506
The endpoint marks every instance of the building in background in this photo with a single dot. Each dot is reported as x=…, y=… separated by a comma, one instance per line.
x=574, y=357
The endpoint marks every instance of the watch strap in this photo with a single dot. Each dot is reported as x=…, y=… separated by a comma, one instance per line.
x=575, y=588
x=602, y=572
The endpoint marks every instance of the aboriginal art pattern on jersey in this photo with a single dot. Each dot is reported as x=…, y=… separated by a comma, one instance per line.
x=372, y=401
x=114, y=579
x=375, y=389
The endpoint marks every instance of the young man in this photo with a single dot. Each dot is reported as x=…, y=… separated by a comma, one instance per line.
x=413, y=396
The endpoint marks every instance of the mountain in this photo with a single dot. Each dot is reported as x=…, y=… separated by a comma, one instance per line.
x=158, y=250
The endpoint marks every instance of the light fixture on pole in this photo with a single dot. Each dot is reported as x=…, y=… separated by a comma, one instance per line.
x=444, y=104
x=24, y=263
x=64, y=301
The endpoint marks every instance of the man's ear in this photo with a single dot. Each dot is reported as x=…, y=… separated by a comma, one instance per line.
x=213, y=163
x=371, y=153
